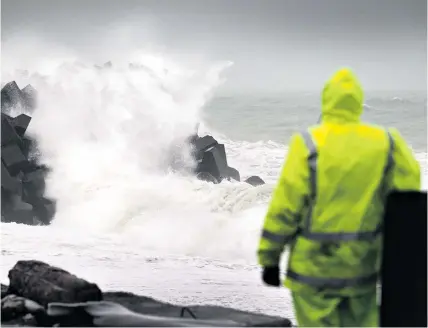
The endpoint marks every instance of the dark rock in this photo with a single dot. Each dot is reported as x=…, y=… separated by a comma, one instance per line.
x=13, y=307
x=205, y=176
x=201, y=144
x=27, y=320
x=211, y=159
x=11, y=97
x=233, y=173
x=9, y=183
x=6, y=204
x=8, y=132
x=128, y=310
x=23, y=180
x=20, y=123
x=23, y=216
x=109, y=314
x=213, y=163
x=255, y=181
x=4, y=290
x=44, y=284
x=13, y=159
x=33, y=184
x=150, y=306
x=44, y=210
x=28, y=146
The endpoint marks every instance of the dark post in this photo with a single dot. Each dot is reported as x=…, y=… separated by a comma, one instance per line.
x=404, y=263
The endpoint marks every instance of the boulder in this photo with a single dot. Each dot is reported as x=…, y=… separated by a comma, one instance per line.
x=255, y=181
x=44, y=284
x=4, y=290
x=15, y=307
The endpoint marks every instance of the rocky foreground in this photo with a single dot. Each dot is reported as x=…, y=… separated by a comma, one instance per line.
x=43, y=295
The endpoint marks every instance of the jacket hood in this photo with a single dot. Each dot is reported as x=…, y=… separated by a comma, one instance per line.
x=342, y=98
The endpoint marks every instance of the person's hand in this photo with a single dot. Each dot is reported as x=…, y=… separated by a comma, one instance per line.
x=270, y=276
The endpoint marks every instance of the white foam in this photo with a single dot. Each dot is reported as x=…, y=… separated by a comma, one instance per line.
x=105, y=134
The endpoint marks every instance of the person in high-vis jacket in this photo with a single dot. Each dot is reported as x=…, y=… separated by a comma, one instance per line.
x=328, y=207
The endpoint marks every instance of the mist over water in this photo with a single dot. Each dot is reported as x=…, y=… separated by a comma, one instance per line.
x=107, y=135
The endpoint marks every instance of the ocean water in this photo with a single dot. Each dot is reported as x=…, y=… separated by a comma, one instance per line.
x=124, y=220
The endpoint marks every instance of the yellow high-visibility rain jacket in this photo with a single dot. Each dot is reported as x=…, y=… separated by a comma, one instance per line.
x=329, y=202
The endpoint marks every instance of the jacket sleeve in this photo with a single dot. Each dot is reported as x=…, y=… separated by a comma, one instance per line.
x=406, y=171
x=284, y=212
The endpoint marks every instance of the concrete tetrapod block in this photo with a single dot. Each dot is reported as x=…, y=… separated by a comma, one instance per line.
x=23, y=216
x=20, y=123
x=8, y=132
x=205, y=176
x=220, y=160
x=14, y=159
x=15, y=210
x=8, y=182
x=212, y=163
x=233, y=173
x=11, y=96
x=44, y=209
x=33, y=183
x=202, y=143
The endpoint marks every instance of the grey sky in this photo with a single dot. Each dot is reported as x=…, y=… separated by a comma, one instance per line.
x=275, y=44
